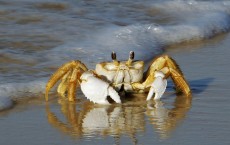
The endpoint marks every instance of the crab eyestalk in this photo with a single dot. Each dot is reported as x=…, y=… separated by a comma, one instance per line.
x=114, y=58
x=131, y=57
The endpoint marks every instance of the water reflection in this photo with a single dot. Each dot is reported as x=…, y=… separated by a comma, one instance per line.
x=166, y=120
x=89, y=120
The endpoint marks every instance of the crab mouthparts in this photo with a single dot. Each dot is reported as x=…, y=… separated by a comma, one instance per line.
x=123, y=67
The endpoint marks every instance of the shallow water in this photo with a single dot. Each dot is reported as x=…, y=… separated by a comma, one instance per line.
x=38, y=36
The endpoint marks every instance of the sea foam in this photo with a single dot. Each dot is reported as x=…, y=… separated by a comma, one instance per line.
x=196, y=21
x=14, y=91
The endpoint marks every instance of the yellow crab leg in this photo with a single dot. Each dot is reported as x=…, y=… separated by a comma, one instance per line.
x=177, y=76
x=145, y=85
x=62, y=87
x=180, y=82
x=61, y=72
x=173, y=70
x=73, y=85
x=157, y=64
x=170, y=68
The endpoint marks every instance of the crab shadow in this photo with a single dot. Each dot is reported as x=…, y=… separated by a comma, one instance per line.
x=197, y=86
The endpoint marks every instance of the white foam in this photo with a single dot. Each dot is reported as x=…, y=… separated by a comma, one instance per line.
x=191, y=7
x=11, y=91
x=15, y=90
x=209, y=26
x=198, y=20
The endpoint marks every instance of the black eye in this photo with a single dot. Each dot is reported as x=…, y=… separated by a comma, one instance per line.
x=113, y=55
x=131, y=55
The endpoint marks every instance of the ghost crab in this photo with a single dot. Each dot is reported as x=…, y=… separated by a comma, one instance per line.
x=110, y=77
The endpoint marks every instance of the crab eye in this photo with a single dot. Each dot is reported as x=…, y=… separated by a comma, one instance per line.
x=113, y=55
x=131, y=55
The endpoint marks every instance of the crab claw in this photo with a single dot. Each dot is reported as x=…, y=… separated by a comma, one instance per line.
x=97, y=90
x=158, y=86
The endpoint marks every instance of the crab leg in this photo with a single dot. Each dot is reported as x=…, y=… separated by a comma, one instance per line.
x=180, y=82
x=170, y=68
x=146, y=84
x=62, y=87
x=73, y=85
x=61, y=72
x=177, y=76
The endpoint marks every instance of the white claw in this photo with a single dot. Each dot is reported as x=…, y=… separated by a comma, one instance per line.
x=97, y=90
x=114, y=95
x=158, y=86
x=150, y=94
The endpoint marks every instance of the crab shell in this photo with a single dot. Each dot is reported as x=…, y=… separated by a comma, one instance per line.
x=121, y=73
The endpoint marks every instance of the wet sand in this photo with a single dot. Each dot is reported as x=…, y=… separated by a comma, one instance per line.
x=204, y=119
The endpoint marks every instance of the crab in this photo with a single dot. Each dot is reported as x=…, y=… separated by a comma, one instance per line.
x=109, y=78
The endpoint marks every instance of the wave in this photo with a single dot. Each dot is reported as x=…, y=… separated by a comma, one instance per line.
x=14, y=91
x=197, y=21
